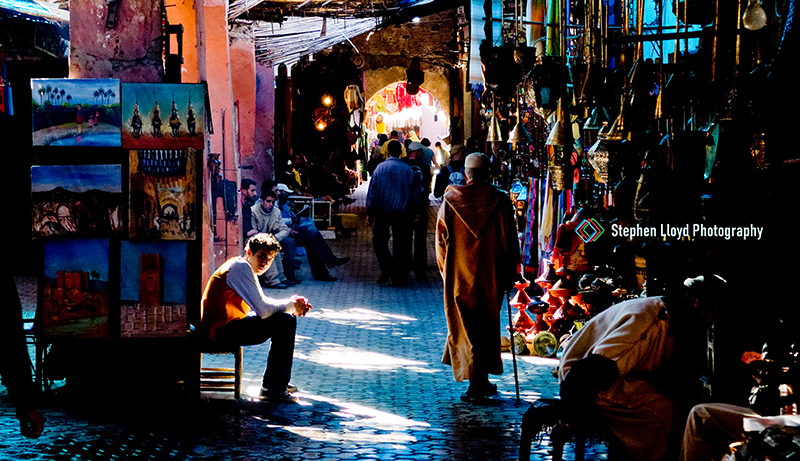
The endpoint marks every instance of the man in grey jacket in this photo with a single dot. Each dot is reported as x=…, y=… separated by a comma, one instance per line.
x=266, y=218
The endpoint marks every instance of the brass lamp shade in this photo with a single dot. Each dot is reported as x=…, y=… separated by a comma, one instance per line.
x=495, y=133
x=618, y=132
x=561, y=133
x=519, y=135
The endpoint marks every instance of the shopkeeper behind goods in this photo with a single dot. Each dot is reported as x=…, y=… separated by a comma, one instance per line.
x=614, y=367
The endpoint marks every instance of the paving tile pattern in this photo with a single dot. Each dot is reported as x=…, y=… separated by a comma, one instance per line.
x=372, y=386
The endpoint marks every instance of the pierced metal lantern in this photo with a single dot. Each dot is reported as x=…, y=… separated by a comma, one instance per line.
x=598, y=157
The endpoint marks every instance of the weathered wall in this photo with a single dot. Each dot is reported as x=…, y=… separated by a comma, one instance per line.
x=130, y=52
x=243, y=66
x=388, y=52
x=183, y=12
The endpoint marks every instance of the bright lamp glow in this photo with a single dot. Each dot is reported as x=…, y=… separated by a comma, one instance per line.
x=327, y=100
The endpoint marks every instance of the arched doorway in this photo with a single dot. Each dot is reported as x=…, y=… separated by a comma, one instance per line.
x=392, y=108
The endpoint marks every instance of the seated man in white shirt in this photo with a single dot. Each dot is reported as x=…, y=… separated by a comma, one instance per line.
x=236, y=311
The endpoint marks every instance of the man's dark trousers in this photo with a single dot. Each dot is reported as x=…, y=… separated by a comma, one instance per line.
x=396, y=262
x=280, y=327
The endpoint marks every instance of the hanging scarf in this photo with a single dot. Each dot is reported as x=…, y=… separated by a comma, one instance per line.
x=531, y=234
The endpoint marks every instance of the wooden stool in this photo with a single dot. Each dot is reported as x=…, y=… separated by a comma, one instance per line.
x=222, y=379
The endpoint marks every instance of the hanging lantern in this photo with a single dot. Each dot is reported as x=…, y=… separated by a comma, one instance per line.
x=519, y=135
x=495, y=133
x=548, y=82
x=617, y=132
x=415, y=76
x=353, y=98
x=558, y=177
x=561, y=133
x=598, y=157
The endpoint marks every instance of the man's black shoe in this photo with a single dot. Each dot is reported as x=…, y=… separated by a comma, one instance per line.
x=384, y=278
x=292, y=282
x=276, y=397
x=338, y=262
x=280, y=286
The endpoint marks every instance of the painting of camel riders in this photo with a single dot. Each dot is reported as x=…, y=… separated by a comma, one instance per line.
x=76, y=112
x=163, y=194
x=76, y=200
x=163, y=115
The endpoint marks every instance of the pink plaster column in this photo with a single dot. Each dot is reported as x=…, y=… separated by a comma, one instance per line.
x=243, y=66
x=131, y=51
x=213, y=62
x=265, y=122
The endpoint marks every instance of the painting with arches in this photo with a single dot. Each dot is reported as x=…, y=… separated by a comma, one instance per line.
x=163, y=194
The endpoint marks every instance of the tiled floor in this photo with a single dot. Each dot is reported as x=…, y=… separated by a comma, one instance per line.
x=372, y=386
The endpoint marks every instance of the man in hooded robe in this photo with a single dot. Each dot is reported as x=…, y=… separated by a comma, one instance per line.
x=477, y=251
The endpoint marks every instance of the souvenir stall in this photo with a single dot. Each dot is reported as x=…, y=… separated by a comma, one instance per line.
x=116, y=193
x=623, y=133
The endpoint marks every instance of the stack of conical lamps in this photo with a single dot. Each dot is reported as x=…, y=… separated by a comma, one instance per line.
x=617, y=131
x=495, y=133
x=561, y=133
x=519, y=135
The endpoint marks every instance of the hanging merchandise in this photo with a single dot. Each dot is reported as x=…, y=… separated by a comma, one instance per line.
x=530, y=240
x=415, y=76
x=598, y=157
x=353, y=98
x=548, y=80
x=754, y=17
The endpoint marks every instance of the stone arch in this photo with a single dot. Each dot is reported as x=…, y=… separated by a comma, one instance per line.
x=436, y=83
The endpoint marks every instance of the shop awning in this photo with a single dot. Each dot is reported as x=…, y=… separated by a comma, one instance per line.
x=294, y=38
x=35, y=9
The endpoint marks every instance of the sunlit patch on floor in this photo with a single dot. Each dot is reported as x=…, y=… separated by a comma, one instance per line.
x=339, y=356
x=361, y=317
x=359, y=424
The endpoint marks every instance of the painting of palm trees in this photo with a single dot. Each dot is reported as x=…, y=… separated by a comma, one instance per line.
x=163, y=115
x=76, y=112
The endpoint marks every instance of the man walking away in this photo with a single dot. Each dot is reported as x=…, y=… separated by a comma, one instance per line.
x=390, y=213
x=477, y=251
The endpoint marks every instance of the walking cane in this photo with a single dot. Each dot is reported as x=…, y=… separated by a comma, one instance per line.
x=513, y=347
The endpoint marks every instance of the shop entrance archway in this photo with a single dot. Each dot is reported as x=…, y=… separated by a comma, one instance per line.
x=392, y=108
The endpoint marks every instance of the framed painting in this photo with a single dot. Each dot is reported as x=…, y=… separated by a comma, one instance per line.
x=76, y=112
x=153, y=289
x=163, y=194
x=75, y=296
x=163, y=115
x=76, y=200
